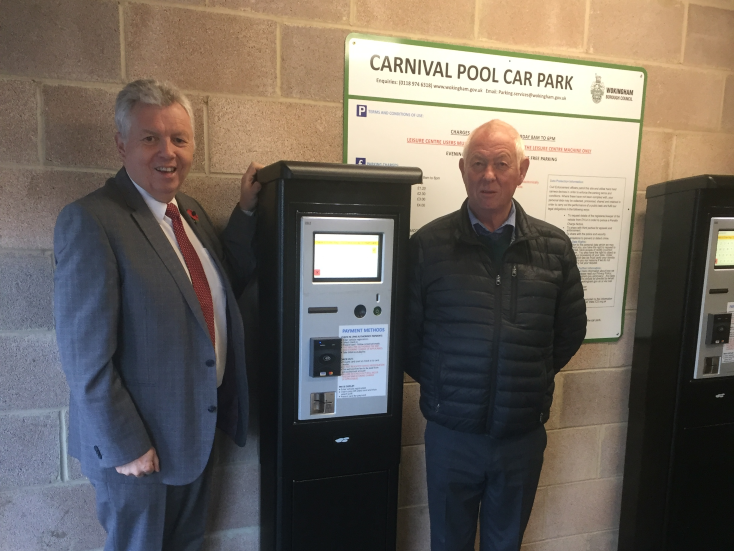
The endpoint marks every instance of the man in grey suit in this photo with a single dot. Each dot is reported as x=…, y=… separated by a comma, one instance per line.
x=149, y=331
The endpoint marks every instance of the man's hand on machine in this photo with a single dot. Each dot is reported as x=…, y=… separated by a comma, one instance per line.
x=250, y=187
x=143, y=465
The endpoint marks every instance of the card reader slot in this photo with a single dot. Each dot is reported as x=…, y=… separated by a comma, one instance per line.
x=718, y=328
x=322, y=309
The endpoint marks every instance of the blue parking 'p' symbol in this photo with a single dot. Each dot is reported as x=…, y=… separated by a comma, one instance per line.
x=361, y=161
x=361, y=110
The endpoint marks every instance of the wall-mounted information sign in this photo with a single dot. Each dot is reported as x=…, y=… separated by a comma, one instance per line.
x=411, y=103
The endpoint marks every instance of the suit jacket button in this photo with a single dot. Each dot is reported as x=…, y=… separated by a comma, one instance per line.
x=210, y=363
x=212, y=409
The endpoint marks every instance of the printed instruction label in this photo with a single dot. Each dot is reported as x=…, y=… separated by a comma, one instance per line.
x=727, y=356
x=364, y=361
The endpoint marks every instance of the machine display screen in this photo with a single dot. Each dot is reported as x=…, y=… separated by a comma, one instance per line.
x=347, y=257
x=724, y=250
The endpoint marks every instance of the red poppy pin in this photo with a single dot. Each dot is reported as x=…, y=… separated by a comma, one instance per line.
x=193, y=215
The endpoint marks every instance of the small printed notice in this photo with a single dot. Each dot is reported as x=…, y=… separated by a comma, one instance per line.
x=591, y=211
x=364, y=361
x=727, y=356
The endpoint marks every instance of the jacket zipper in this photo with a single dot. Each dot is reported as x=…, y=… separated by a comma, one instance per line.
x=495, y=346
x=437, y=374
x=513, y=294
x=497, y=330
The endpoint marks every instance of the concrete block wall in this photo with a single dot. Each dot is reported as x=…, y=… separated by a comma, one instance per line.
x=265, y=77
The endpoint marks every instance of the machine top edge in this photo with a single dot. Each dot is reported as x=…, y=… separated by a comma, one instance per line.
x=361, y=174
x=702, y=181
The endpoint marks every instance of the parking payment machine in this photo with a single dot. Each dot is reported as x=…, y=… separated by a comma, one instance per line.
x=332, y=243
x=678, y=487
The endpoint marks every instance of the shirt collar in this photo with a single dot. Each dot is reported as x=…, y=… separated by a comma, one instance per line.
x=156, y=207
x=509, y=222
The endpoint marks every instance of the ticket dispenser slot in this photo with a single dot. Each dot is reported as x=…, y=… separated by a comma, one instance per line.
x=322, y=403
x=711, y=365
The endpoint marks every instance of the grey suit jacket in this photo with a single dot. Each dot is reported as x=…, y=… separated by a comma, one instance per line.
x=132, y=337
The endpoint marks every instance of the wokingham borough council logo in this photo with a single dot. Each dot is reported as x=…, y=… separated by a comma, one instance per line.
x=597, y=90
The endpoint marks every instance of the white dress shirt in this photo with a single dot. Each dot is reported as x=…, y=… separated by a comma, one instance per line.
x=213, y=277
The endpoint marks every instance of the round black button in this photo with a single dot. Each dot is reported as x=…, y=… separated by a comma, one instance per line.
x=326, y=358
x=377, y=311
x=360, y=311
x=210, y=363
x=212, y=409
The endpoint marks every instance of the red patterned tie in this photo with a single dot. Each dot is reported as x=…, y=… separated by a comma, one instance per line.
x=196, y=270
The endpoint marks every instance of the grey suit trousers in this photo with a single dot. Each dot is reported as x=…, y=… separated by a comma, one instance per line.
x=151, y=517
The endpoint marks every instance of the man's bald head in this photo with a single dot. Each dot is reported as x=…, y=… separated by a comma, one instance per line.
x=496, y=125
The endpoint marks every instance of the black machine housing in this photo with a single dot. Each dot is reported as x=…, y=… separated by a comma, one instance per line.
x=320, y=491
x=678, y=488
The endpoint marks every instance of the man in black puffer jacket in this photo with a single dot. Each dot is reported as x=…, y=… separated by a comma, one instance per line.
x=496, y=309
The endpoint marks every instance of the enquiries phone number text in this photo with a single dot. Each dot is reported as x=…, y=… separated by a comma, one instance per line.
x=414, y=83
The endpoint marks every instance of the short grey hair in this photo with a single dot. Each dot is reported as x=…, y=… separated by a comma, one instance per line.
x=151, y=92
x=519, y=144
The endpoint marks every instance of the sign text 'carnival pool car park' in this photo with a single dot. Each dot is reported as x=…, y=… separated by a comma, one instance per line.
x=411, y=103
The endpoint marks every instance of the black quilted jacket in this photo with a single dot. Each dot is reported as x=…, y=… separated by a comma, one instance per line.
x=484, y=341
